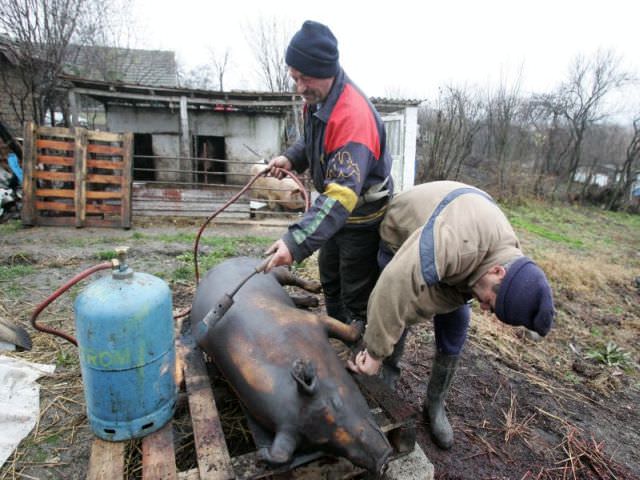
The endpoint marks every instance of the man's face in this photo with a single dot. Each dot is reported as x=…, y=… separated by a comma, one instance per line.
x=486, y=288
x=313, y=90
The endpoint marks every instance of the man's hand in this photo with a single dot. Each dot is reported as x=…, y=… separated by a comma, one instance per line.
x=281, y=255
x=279, y=162
x=364, y=363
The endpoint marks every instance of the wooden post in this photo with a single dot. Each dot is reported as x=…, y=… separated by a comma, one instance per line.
x=80, y=170
x=185, y=141
x=28, y=211
x=127, y=179
x=73, y=106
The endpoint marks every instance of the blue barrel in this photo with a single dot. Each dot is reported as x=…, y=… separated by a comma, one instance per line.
x=124, y=328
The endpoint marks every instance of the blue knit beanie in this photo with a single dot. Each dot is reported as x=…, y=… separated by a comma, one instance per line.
x=313, y=51
x=525, y=297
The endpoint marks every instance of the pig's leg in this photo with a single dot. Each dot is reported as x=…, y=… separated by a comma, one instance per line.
x=281, y=450
x=286, y=277
x=347, y=333
x=305, y=301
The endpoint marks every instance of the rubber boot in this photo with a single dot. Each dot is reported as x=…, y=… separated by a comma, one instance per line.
x=390, y=372
x=442, y=371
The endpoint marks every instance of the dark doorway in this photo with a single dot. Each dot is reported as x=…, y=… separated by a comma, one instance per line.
x=143, y=163
x=209, y=167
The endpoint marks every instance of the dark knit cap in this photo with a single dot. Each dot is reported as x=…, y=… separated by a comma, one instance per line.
x=525, y=297
x=313, y=50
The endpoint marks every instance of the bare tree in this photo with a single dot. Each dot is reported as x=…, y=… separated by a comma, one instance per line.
x=50, y=37
x=580, y=99
x=220, y=63
x=104, y=44
x=502, y=109
x=448, y=130
x=268, y=38
x=199, y=77
x=551, y=139
x=40, y=32
x=630, y=168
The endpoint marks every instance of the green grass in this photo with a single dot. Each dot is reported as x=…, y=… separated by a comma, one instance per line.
x=579, y=228
x=106, y=255
x=8, y=273
x=611, y=355
x=223, y=248
x=10, y=227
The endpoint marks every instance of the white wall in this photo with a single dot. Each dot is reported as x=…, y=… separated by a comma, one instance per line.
x=261, y=132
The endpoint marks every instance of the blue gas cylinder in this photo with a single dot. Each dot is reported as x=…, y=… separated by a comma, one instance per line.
x=124, y=328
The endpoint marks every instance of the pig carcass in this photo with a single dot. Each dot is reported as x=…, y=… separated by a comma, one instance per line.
x=280, y=363
x=283, y=194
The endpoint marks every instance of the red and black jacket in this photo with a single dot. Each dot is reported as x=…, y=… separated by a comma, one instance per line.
x=344, y=146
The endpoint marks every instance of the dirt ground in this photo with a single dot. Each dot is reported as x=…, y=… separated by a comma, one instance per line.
x=514, y=417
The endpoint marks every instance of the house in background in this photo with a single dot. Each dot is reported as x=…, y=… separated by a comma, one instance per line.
x=186, y=139
x=15, y=100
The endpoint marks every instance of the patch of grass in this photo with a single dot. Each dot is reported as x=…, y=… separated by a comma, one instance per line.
x=66, y=359
x=106, y=255
x=9, y=273
x=610, y=355
x=223, y=248
x=53, y=439
x=10, y=227
x=572, y=378
x=544, y=232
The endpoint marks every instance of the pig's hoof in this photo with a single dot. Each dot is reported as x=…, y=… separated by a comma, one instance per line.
x=265, y=456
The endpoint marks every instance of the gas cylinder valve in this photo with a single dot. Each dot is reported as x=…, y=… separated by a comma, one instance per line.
x=120, y=268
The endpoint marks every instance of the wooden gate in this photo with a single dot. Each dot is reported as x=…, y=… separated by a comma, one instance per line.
x=74, y=176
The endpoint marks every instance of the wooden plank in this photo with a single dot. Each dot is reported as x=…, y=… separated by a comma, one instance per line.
x=158, y=455
x=55, y=206
x=56, y=221
x=55, y=160
x=62, y=176
x=28, y=212
x=127, y=180
x=80, y=166
x=102, y=223
x=55, y=132
x=214, y=461
x=58, y=192
x=91, y=195
x=104, y=149
x=106, y=164
x=107, y=461
x=102, y=208
x=103, y=136
x=110, y=179
x=54, y=144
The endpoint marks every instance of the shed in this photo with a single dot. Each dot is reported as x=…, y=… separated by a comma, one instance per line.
x=192, y=138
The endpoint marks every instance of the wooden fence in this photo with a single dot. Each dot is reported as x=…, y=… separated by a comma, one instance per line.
x=76, y=177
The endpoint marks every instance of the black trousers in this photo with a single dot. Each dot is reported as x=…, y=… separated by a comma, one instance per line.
x=349, y=271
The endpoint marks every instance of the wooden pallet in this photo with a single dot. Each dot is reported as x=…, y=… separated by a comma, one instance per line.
x=76, y=177
x=213, y=459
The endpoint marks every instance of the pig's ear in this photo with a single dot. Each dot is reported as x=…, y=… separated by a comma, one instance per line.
x=304, y=373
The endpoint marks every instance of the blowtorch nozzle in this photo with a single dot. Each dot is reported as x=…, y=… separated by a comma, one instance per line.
x=216, y=313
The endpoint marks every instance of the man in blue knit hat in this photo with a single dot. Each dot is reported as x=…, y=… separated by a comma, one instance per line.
x=344, y=148
x=444, y=243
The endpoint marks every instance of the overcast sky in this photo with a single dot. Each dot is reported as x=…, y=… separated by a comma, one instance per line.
x=413, y=47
